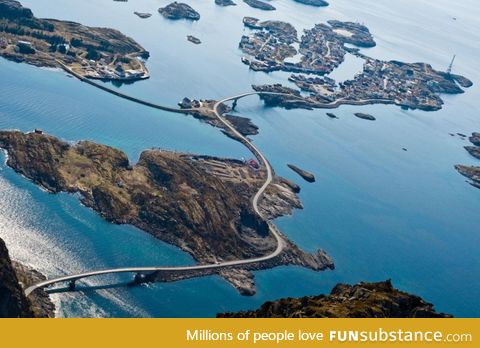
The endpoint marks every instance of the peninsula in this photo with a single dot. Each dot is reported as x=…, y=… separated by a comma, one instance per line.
x=362, y=300
x=201, y=204
x=271, y=46
x=97, y=53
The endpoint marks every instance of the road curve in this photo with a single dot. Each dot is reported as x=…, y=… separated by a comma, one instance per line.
x=256, y=152
x=272, y=228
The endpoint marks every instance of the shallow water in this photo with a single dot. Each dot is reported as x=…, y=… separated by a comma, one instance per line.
x=381, y=212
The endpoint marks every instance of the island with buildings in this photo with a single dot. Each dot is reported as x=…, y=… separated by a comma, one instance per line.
x=97, y=53
x=274, y=46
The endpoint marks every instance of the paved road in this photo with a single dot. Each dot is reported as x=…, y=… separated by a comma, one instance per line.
x=256, y=152
x=272, y=228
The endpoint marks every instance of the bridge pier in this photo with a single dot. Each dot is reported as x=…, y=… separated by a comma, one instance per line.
x=71, y=285
x=139, y=278
x=234, y=105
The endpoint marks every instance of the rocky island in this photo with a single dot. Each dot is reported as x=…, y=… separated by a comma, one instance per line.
x=261, y=5
x=363, y=300
x=201, y=204
x=472, y=172
x=179, y=10
x=194, y=40
x=271, y=46
x=143, y=15
x=98, y=53
x=317, y=3
x=331, y=115
x=303, y=173
x=365, y=116
x=225, y=3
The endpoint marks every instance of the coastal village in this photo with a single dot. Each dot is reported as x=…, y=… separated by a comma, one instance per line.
x=97, y=53
x=270, y=46
x=221, y=210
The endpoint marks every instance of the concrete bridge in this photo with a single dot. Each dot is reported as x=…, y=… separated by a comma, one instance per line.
x=141, y=271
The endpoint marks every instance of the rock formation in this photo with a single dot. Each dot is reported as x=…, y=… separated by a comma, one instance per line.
x=201, y=204
x=178, y=10
x=363, y=300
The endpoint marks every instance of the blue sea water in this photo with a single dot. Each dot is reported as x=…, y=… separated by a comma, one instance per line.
x=379, y=211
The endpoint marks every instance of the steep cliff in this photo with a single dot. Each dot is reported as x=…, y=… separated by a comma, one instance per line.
x=13, y=303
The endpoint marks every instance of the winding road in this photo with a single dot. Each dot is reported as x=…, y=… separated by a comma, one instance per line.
x=256, y=198
x=255, y=201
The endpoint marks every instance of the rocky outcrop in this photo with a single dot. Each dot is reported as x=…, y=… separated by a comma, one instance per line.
x=475, y=139
x=14, y=278
x=178, y=10
x=364, y=116
x=260, y=5
x=13, y=303
x=471, y=172
x=363, y=300
x=194, y=39
x=317, y=3
x=40, y=302
x=143, y=15
x=14, y=10
x=474, y=151
x=201, y=204
x=303, y=173
x=243, y=124
x=225, y=3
